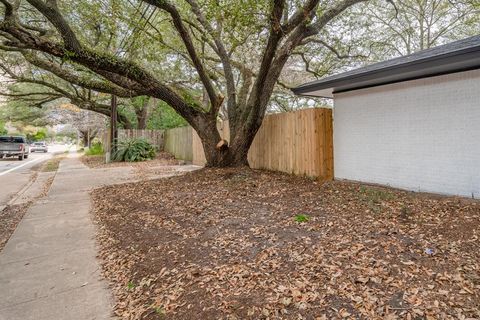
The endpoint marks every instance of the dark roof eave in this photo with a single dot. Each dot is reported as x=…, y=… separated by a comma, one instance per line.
x=455, y=61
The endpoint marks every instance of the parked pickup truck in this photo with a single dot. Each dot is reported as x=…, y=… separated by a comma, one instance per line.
x=14, y=146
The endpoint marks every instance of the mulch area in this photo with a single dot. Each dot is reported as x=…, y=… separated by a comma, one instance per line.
x=162, y=159
x=246, y=244
x=10, y=217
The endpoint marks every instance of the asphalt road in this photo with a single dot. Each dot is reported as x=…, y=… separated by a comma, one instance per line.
x=15, y=174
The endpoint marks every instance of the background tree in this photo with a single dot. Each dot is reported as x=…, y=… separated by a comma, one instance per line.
x=21, y=115
x=164, y=117
x=420, y=24
x=87, y=123
x=3, y=130
x=374, y=32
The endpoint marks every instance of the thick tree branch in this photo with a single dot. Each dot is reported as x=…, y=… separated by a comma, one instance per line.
x=328, y=15
x=8, y=8
x=187, y=40
x=270, y=49
x=300, y=16
x=332, y=49
x=222, y=53
x=113, y=68
x=49, y=10
x=66, y=75
x=40, y=98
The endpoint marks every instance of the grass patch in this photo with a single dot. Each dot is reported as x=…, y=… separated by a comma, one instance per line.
x=52, y=164
x=302, y=218
x=374, y=197
x=95, y=150
x=160, y=312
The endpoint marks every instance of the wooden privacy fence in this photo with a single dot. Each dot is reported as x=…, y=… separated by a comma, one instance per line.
x=299, y=142
x=178, y=141
x=155, y=137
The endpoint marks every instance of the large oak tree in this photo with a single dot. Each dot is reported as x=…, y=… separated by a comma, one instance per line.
x=235, y=52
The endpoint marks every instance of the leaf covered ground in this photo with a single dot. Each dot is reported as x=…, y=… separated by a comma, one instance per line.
x=245, y=244
x=10, y=217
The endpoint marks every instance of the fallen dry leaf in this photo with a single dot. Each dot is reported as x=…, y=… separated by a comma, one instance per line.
x=224, y=244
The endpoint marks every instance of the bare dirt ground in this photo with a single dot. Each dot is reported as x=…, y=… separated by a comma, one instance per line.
x=244, y=244
x=163, y=158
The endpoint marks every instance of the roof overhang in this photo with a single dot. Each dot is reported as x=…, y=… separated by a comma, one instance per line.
x=445, y=63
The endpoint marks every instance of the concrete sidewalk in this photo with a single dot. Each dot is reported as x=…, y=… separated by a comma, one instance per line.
x=48, y=268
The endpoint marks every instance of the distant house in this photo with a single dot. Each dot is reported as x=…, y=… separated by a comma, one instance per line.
x=412, y=122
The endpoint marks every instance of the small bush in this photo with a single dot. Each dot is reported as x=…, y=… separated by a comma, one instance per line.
x=133, y=150
x=95, y=149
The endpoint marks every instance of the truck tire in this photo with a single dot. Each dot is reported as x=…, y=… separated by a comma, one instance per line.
x=20, y=157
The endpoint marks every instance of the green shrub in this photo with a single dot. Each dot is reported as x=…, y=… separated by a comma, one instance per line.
x=3, y=130
x=133, y=150
x=95, y=149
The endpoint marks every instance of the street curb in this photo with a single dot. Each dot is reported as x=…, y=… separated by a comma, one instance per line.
x=22, y=191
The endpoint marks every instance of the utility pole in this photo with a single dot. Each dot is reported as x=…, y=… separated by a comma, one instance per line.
x=87, y=116
x=113, y=126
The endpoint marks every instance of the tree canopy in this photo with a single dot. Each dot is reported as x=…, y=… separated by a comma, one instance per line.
x=208, y=59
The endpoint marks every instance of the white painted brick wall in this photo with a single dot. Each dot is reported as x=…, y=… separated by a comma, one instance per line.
x=421, y=135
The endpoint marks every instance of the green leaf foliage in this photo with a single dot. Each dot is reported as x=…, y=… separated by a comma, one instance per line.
x=164, y=117
x=40, y=135
x=3, y=131
x=133, y=150
x=95, y=149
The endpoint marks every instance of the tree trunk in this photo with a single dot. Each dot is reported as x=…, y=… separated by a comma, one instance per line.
x=142, y=114
x=219, y=154
x=124, y=121
x=225, y=157
x=85, y=140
